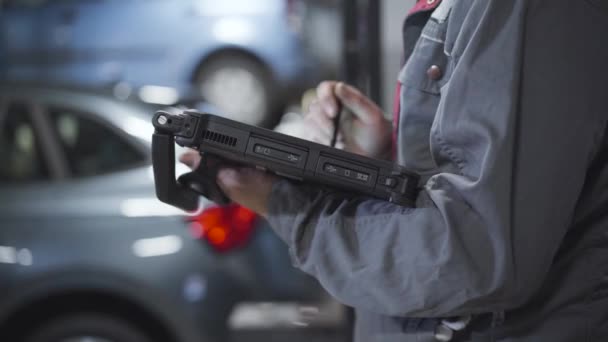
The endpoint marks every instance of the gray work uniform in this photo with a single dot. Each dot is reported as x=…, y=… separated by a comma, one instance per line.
x=511, y=223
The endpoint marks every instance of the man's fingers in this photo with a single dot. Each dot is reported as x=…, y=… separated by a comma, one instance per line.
x=228, y=178
x=191, y=159
x=360, y=105
x=315, y=126
x=327, y=98
x=236, y=178
x=232, y=181
x=247, y=186
x=319, y=120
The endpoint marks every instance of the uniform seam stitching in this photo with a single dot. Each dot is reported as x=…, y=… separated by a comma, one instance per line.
x=450, y=153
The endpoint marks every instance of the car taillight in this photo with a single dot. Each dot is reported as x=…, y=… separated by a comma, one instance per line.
x=224, y=228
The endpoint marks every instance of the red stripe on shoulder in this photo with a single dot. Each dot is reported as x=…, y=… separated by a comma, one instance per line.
x=424, y=5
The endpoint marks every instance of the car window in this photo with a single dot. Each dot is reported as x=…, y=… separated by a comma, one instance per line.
x=20, y=152
x=92, y=147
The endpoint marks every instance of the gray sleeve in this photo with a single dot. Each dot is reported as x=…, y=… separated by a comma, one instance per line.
x=517, y=125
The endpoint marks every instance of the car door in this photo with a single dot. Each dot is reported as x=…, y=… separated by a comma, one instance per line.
x=44, y=209
x=24, y=171
x=64, y=181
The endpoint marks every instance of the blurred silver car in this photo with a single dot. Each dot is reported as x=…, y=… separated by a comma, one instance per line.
x=87, y=253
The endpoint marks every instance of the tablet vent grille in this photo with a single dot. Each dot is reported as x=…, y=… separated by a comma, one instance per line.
x=219, y=138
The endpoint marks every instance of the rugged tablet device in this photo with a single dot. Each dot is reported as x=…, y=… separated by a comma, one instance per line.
x=220, y=141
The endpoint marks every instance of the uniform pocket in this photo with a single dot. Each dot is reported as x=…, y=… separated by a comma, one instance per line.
x=427, y=70
x=429, y=67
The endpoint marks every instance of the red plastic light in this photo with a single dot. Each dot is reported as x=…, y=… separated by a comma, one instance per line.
x=224, y=228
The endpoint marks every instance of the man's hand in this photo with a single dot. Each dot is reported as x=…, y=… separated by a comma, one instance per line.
x=244, y=185
x=191, y=158
x=364, y=131
x=248, y=187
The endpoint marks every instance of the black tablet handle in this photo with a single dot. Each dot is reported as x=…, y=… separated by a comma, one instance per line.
x=183, y=192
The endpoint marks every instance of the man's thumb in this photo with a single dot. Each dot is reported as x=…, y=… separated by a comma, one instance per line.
x=360, y=105
x=191, y=159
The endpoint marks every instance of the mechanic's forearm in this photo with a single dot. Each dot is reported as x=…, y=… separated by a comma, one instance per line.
x=390, y=259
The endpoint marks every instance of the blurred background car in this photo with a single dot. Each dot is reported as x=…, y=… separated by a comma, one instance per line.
x=248, y=58
x=87, y=252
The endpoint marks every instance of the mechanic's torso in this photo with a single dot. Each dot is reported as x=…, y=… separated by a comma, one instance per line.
x=567, y=307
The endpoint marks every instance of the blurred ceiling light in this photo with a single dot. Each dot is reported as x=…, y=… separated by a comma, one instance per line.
x=8, y=255
x=11, y=255
x=250, y=315
x=158, y=246
x=138, y=128
x=158, y=95
x=254, y=315
x=232, y=30
x=25, y=257
x=147, y=207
